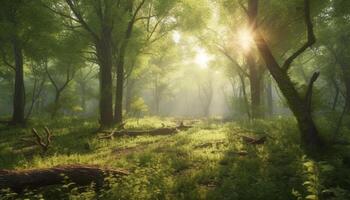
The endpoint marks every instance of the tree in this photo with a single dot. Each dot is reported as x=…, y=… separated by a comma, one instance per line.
x=98, y=21
x=338, y=45
x=84, y=76
x=205, y=93
x=25, y=24
x=38, y=79
x=232, y=39
x=155, y=16
x=299, y=105
x=132, y=11
x=68, y=58
x=162, y=70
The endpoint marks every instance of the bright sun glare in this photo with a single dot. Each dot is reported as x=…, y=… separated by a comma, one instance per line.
x=245, y=39
x=202, y=58
x=176, y=37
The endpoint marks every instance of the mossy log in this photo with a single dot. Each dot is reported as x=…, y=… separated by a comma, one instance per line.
x=17, y=180
x=152, y=132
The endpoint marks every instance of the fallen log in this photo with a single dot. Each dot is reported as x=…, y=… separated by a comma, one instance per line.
x=152, y=132
x=17, y=180
x=254, y=141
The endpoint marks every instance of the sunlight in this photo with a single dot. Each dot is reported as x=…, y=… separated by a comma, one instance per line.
x=245, y=39
x=176, y=37
x=202, y=58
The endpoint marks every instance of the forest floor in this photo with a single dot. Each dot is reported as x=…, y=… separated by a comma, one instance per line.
x=208, y=161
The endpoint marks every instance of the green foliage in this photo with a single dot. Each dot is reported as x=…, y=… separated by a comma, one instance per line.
x=200, y=12
x=138, y=107
x=201, y=163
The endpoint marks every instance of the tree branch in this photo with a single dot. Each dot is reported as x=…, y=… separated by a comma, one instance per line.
x=4, y=59
x=81, y=20
x=145, y=17
x=311, y=39
x=308, y=95
x=60, y=13
x=50, y=77
x=233, y=61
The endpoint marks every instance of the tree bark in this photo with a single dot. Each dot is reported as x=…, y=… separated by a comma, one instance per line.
x=269, y=97
x=19, y=93
x=255, y=87
x=104, y=57
x=245, y=98
x=56, y=104
x=118, y=107
x=18, y=180
x=128, y=95
x=254, y=76
x=157, y=94
x=83, y=96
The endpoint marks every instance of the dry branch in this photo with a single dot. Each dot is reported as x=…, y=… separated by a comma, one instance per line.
x=39, y=140
x=17, y=180
x=158, y=131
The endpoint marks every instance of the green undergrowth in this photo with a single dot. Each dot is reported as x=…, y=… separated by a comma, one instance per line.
x=208, y=161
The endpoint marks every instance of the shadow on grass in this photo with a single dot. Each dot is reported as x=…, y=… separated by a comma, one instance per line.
x=264, y=173
x=269, y=171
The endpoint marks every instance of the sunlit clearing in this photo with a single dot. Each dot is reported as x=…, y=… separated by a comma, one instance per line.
x=202, y=58
x=176, y=37
x=245, y=39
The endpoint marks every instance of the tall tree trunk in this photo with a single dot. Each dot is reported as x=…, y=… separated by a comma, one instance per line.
x=156, y=95
x=56, y=105
x=19, y=93
x=245, y=98
x=129, y=94
x=255, y=84
x=255, y=81
x=298, y=105
x=269, y=97
x=346, y=77
x=104, y=56
x=37, y=90
x=337, y=91
x=83, y=96
x=118, y=107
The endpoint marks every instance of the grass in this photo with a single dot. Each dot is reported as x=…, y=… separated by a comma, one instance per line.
x=200, y=163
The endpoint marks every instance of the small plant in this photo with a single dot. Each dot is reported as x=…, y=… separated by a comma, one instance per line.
x=314, y=178
x=138, y=107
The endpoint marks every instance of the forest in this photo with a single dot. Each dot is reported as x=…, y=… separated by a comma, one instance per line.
x=175, y=99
